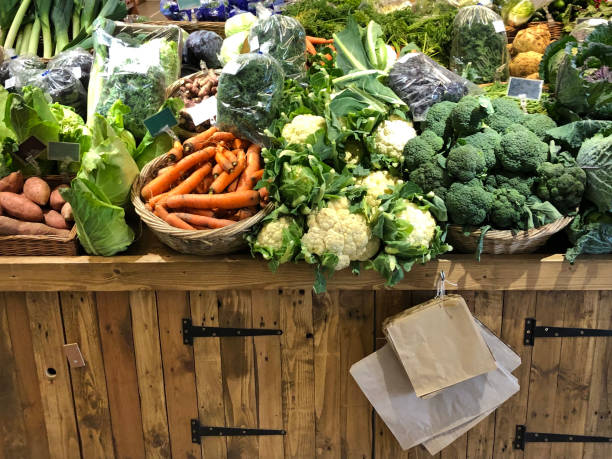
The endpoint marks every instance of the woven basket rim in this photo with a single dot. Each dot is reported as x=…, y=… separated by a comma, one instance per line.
x=159, y=225
x=493, y=234
x=44, y=237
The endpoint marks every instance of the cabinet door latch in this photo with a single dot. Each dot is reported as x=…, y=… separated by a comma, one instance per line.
x=532, y=332
x=191, y=331
x=198, y=431
x=522, y=437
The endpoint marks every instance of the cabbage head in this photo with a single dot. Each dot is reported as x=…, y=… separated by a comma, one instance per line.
x=517, y=13
x=298, y=182
x=239, y=23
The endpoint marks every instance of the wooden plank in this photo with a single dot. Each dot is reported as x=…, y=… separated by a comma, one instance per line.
x=517, y=307
x=121, y=379
x=209, y=378
x=545, y=357
x=53, y=375
x=179, y=373
x=599, y=411
x=13, y=436
x=25, y=366
x=356, y=342
x=133, y=272
x=328, y=391
x=88, y=382
x=297, y=354
x=150, y=377
x=238, y=366
x=488, y=309
x=266, y=314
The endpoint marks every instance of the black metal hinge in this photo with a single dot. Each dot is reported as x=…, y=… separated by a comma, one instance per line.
x=532, y=332
x=191, y=331
x=522, y=436
x=198, y=431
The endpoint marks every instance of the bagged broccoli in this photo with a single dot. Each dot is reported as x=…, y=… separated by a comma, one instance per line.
x=283, y=38
x=133, y=63
x=249, y=92
x=77, y=60
x=63, y=87
x=479, y=47
x=420, y=82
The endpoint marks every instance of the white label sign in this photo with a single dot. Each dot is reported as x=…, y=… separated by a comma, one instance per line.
x=231, y=68
x=254, y=43
x=10, y=83
x=134, y=60
x=76, y=71
x=204, y=111
x=499, y=26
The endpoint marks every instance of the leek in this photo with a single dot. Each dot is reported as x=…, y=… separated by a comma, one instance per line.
x=34, y=39
x=61, y=15
x=76, y=17
x=8, y=9
x=19, y=42
x=90, y=11
x=16, y=24
x=43, y=8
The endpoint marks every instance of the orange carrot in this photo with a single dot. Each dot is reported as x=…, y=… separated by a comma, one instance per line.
x=246, y=212
x=198, y=141
x=200, y=220
x=234, y=200
x=164, y=182
x=217, y=170
x=221, y=137
x=221, y=159
x=253, y=164
x=232, y=186
x=176, y=152
x=310, y=47
x=205, y=184
x=319, y=41
x=264, y=195
x=202, y=212
x=163, y=170
x=224, y=179
x=232, y=155
x=240, y=144
x=190, y=183
x=328, y=57
x=172, y=219
x=256, y=176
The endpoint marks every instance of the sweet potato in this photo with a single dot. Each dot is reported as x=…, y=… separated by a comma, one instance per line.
x=11, y=227
x=37, y=190
x=20, y=207
x=67, y=212
x=56, y=201
x=12, y=182
x=55, y=220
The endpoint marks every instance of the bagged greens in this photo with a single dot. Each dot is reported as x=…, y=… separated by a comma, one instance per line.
x=63, y=87
x=77, y=60
x=133, y=63
x=479, y=47
x=250, y=89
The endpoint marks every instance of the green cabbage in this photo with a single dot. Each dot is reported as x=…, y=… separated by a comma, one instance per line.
x=518, y=12
x=233, y=46
x=239, y=23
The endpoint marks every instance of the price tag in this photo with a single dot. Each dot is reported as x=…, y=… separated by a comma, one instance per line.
x=499, y=26
x=64, y=151
x=231, y=68
x=135, y=60
x=10, y=83
x=29, y=150
x=254, y=43
x=525, y=88
x=188, y=4
x=160, y=121
x=204, y=111
x=76, y=71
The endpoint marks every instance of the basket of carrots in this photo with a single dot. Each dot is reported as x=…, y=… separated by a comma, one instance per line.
x=200, y=197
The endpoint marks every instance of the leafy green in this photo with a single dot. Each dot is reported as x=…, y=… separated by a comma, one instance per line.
x=595, y=157
x=30, y=115
x=552, y=59
x=572, y=135
x=591, y=233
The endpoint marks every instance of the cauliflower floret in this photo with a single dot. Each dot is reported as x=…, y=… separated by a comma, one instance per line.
x=271, y=235
x=391, y=136
x=377, y=183
x=301, y=127
x=335, y=229
x=423, y=225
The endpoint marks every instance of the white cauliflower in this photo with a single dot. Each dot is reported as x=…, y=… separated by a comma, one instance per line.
x=271, y=234
x=377, y=183
x=391, y=136
x=423, y=225
x=297, y=131
x=335, y=229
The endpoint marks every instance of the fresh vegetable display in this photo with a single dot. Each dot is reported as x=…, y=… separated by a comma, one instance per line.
x=193, y=91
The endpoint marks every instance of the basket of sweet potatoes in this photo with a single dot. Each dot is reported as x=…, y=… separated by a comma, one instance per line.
x=34, y=218
x=203, y=196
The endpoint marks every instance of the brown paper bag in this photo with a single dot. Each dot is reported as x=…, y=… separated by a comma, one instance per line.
x=438, y=344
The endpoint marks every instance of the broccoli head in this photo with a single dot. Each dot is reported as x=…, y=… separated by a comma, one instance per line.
x=508, y=210
x=562, y=186
x=465, y=162
x=539, y=123
x=468, y=203
x=488, y=142
x=433, y=139
x=498, y=123
x=522, y=184
x=521, y=151
x=431, y=177
x=469, y=113
x=438, y=118
x=417, y=151
x=508, y=108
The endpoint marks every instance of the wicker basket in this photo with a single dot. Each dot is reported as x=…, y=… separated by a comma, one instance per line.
x=206, y=242
x=555, y=29
x=217, y=27
x=172, y=91
x=504, y=242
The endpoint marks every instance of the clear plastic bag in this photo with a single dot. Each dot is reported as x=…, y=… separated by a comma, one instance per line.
x=133, y=63
x=63, y=87
x=23, y=69
x=248, y=96
x=519, y=12
x=77, y=60
x=582, y=30
x=421, y=82
x=479, y=49
x=283, y=38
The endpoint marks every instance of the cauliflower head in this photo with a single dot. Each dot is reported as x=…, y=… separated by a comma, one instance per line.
x=335, y=229
x=377, y=183
x=422, y=222
x=271, y=234
x=391, y=136
x=297, y=131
